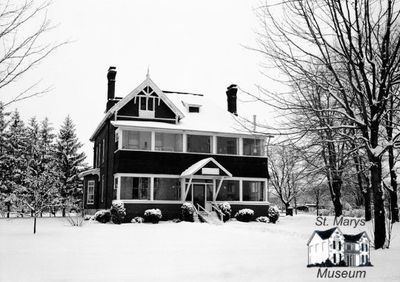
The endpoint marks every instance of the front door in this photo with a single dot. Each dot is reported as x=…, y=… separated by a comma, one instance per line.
x=199, y=195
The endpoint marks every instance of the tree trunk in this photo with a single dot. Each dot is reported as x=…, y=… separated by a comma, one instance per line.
x=394, y=208
x=34, y=224
x=379, y=209
x=367, y=205
x=8, y=210
x=63, y=212
x=337, y=186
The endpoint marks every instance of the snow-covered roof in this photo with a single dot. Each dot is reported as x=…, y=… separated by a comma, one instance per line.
x=211, y=118
x=202, y=163
x=93, y=171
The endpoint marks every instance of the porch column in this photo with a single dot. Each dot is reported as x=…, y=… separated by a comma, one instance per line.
x=118, y=187
x=240, y=146
x=241, y=190
x=153, y=141
x=151, y=188
x=184, y=143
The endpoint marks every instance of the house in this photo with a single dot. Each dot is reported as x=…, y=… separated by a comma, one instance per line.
x=338, y=248
x=158, y=149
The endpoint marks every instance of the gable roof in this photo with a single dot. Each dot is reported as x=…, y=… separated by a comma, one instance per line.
x=323, y=234
x=202, y=163
x=354, y=238
x=133, y=94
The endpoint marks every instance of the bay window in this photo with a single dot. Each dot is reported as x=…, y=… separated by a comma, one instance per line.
x=140, y=140
x=167, y=189
x=199, y=143
x=169, y=142
x=229, y=191
x=135, y=188
x=227, y=145
x=253, y=190
x=253, y=147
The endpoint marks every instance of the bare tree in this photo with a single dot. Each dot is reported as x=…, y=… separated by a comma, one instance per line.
x=23, y=27
x=364, y=37
x=287, y=172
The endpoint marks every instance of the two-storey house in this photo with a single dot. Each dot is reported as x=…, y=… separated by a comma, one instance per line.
x=158, y=149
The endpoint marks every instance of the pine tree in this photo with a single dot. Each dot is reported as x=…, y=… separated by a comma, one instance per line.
x=16, y=157
x=70, y=163
x=6, y=195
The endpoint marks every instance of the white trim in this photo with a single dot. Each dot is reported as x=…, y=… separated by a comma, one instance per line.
x=152, y=202
x=147, y=175
x=240, y=190
x=193, y=169
x=145, y=118
x=152, y=188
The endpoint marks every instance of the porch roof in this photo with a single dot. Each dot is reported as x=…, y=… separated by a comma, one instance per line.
x=93, y=171
x=193, y=169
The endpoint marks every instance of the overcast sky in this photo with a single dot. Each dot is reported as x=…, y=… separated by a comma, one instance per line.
x=191, y=46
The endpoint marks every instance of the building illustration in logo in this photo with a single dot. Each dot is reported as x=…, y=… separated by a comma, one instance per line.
x=333, y=248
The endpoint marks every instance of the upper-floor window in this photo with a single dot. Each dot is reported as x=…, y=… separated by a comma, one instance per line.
x=253, y=147
x=199, y=143
x=139, y=140
x=169, y=142
x=227, y=145
x=147, y=100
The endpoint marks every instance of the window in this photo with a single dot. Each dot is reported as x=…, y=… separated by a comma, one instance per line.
x=199, y=143
x=103, y=151
x=253, y=191
x=167, y=189
x=140, y=140
x=229, y=191
x=103, y=184
x=169, y=142
x=135, y=188
x=116, y=139
x=194, y=109
x=90, y=192
x=227, y=145
x=253, y=147
x=147, y=102
x=340, y=245
x=115, y=188
x=334, y=244
x=334, y=258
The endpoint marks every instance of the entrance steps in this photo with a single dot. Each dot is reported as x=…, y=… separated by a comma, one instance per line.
x=209, y=217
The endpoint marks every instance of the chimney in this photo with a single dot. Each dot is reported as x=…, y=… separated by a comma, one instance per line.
x=111, y=87
x=231, y=97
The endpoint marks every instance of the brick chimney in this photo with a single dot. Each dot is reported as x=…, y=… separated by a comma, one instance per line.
x=231, y=94
x=111, y=101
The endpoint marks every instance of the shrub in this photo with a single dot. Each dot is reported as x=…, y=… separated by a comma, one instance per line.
x=273, y=214
x=102, y=216
x=262, y=219
x=137, y=219
x=226, y=209
x=118, y=212
x=176, y=220
x=187, y=211
x=244, y=215
x=152, y=215
x=324, y=212
x=88, y=217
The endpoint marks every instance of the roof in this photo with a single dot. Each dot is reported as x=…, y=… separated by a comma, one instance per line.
x=93, y=171
x=323, y=234
x=210, y=118
x=353, y=238
x=202, y=163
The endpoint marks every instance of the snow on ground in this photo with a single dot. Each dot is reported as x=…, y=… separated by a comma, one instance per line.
x=169, y=251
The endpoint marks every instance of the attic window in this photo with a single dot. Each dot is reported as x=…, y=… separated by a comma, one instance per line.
x=194, y=109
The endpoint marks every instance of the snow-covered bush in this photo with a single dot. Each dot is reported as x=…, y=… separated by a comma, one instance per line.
x=263, y=219
x=152, y=215
x=102, y=216
x=137, y=219
x=226, y=209
x=273, y=214
x=244, y=215
x=176, y=220
x=187, y=211
x=88, y=217
x=118, y=212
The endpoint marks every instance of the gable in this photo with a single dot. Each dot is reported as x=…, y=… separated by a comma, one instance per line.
x=147, y=101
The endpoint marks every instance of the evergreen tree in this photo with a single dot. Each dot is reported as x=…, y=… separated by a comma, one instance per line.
x=6, y=195
x=16, y=157
x=70, y=164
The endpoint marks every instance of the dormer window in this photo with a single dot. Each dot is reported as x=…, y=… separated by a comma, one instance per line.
x=147, y=102
x=194, y=109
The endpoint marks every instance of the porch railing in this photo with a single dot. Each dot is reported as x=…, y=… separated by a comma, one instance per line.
x=217, y=209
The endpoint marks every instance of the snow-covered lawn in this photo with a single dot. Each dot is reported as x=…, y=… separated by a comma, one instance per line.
x=170, y=251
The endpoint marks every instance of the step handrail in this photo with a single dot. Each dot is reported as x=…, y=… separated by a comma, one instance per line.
x=218, y=210
x=200, y=207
